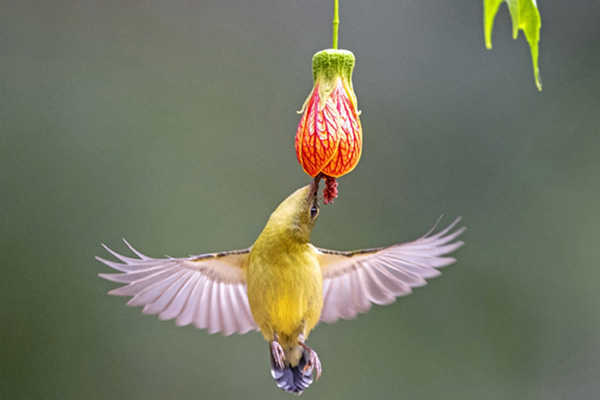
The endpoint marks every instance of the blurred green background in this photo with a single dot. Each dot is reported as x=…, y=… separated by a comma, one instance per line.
x=171, y=124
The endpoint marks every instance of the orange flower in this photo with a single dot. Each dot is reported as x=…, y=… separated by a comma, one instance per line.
x=329, y=136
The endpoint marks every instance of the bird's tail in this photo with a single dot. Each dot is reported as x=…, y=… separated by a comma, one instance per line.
x=292, y=379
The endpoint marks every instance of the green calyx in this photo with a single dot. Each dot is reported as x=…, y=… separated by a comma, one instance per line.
x=329, y=65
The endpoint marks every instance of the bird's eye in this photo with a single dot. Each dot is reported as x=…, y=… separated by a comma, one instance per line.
x=314, y=211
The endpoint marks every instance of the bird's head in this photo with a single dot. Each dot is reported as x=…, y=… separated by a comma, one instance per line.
x=297, y=214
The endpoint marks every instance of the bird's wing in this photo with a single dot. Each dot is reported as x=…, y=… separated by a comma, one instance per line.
x=207, y=290
x=353, y=280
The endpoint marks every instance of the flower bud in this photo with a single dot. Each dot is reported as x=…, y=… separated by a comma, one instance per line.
x=329, y=136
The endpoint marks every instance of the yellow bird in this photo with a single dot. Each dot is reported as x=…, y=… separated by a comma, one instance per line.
x=282, y=285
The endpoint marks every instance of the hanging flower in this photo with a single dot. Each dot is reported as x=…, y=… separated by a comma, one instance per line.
x=329, y=136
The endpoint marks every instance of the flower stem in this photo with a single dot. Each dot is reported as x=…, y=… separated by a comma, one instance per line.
x=336, y=23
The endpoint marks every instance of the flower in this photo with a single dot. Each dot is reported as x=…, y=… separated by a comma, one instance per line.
x=329, y=136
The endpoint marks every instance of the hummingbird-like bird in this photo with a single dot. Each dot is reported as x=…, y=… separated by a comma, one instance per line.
x=282, y=285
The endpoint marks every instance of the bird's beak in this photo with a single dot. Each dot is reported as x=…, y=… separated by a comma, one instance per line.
x=314, y=186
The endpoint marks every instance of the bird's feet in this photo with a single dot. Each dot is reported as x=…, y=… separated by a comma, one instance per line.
x=277, y=353
x=313, y=360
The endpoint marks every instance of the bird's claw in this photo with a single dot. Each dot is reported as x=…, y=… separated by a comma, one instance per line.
x=278, y=354
x=313, y=361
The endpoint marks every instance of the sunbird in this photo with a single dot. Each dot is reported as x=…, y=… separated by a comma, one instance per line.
x=282, y=285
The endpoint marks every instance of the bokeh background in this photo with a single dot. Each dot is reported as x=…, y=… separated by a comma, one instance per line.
x=171, y=124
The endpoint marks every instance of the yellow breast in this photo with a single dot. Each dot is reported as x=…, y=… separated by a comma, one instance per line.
x=285, y=289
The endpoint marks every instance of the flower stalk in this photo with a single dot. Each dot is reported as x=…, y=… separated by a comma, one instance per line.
x=336, y=23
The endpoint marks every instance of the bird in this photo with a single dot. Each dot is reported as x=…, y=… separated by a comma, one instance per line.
x=282, y=285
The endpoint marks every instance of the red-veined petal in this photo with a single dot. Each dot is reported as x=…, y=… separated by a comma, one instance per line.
x=350, y=134
x=318, y=133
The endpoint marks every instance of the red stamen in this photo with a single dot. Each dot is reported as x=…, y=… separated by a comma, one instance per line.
x=331, y=191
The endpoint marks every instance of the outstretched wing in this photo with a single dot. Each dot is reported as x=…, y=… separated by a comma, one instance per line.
x=353, y=280
x=207, y=290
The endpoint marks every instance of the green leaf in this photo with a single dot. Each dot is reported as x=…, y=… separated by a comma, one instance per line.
x=526, y=17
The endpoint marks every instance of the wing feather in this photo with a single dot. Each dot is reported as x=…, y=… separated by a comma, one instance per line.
x=147, y=281
x=214, y=307
x=202, y=315
x=244, y=307
x=179, y=300
x=377, y=291
x=345, y=285
x=149, y=293
x=354, y=280
x=208, y=290
x=359, y=299
x=229, y=324
x=186, y=316
x=234, y=304
x=330, y=298
x=167, y=296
